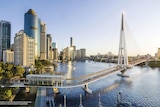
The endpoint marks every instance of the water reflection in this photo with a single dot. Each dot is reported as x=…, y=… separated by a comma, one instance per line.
x=102, y=91
x=124, y=81
x=69, y=71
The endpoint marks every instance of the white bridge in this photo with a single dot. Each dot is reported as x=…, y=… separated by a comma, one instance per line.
x=60, y=81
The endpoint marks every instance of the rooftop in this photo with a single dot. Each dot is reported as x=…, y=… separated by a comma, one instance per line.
x=31, y=11
x=43, y=76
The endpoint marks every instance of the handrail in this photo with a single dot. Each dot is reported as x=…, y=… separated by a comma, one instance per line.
x=88, y=75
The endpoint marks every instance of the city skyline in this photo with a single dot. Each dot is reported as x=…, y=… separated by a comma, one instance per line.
x=94, y=25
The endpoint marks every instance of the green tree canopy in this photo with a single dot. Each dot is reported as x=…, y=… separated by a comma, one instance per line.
x=45, y=62
x=39, y=66
x=8, y=93
x=19, y=71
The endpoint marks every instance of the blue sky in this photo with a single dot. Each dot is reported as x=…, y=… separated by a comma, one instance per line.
x=93, y=24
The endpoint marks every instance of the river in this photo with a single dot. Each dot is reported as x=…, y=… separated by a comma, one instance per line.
x=142, y=89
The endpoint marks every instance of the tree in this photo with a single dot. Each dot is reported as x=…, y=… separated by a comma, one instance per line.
x=30, y=72
x=45, y=62
x=7, y=67
x=39, y=66
x=8, y=93
x=2, y=72
x=9, y=74
x=19, y=71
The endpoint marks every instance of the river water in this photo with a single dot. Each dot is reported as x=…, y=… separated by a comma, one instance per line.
x=142, y=89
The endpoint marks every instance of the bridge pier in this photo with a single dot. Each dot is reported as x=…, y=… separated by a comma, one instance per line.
x=122, y=73
x=86, y=89
x=123, y=70
x=146, y=63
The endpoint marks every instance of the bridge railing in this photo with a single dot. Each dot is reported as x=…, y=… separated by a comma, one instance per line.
x=135, y=62
x=90, y=77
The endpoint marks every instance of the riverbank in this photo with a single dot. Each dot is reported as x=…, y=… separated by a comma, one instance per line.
x=152, y=64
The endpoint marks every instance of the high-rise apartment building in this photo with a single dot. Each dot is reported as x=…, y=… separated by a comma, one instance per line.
x=55, y=54
x=78, y=54
x=73, y=52
x=43, y=42
x=54, y=45
x=49, y=47
x=24, y=49
x=83, y=53
x=5, y=36
x=8, y=56
x=68, y=54
x=32, y=29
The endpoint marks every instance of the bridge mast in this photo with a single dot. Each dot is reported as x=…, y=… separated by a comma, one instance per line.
x=122, y=55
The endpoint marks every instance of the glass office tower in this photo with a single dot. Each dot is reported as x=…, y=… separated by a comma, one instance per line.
x=32, y=29
x=5, y=36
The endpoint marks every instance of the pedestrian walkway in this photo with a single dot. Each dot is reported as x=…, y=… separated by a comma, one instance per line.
x=41, y=97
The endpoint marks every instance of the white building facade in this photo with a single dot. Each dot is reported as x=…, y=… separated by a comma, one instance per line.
x=23, y=49
x=43, y=42
x=8, y=56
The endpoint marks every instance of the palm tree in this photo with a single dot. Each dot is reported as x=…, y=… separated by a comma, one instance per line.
x=39, y=67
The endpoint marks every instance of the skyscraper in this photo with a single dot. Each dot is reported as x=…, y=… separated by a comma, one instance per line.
x=49, y=47
x=23, y=49
x=83, y=53
x=5, y=36
x=78, y=54
x=32, y=29
x=71, y=42
x=54, y=45
x=55, y=54
x=43, y=42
